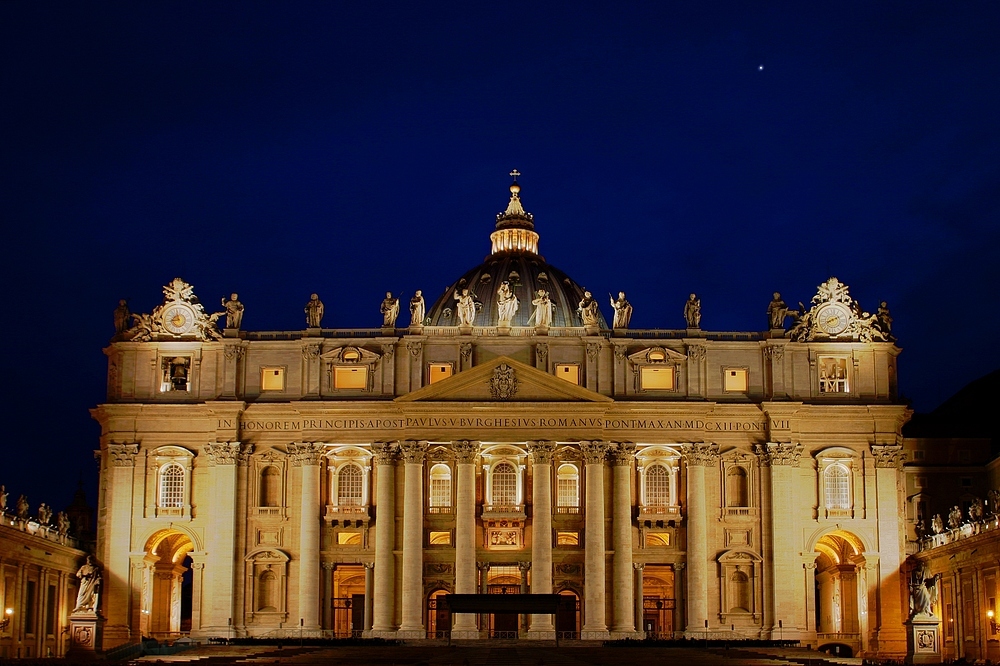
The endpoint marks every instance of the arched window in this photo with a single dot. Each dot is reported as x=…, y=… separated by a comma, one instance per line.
x=270, y=486
x=740, y=588
x=736, y=487
x=171, y=486
x=440, y=488
x=657, y=485
x=567, y=488
x=267, y=592
x=837, y=487
x=349, y=486
x=504, y=485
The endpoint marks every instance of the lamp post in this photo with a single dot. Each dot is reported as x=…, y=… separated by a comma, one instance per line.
x=5, y=622
x=989, y=616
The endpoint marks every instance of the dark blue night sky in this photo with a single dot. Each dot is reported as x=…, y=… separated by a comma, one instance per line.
x=276, y=149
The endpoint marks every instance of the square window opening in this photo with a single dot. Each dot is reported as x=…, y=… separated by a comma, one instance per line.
x=735, y=380
x=657, y=378
x=438, y=371
x=350, y=377
x=568, y=371
x=272, y=378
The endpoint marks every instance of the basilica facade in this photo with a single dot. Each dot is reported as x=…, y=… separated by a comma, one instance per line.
x=508, y=440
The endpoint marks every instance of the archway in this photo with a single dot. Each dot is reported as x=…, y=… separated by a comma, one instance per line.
x=348, y=600
x=438, y=615
x=840, y=593
x=658, y=601
x=166, y=585
x=568, y=617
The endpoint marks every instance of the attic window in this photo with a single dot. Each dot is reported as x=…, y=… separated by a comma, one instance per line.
x=657, y=378
x=351, y=355
x=439, y=371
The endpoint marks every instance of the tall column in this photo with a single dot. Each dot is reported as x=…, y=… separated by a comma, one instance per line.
x=623, y=600
x=595, y=581
x=699, y=456
x=465, y=533
x=541, y=531
x=888, y=468
x=306, y=458
x=787, y=599
x=638, y=587
x=385, y=539
x=220, y=541
x=412, y=622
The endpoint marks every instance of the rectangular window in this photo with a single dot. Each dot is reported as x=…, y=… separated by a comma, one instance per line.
x=735, y=380
x=657, y=378
x=348, y=538
x=350, y=377
x=567, y=538
x=29, y=608
x=438, y=371
x=175, y=374
x=272, y=379
x=833, y=375
x=568, y=371
x=918, y=455
x=440, y=493
x=50, y=611
x=440, y=538
x=657, y=538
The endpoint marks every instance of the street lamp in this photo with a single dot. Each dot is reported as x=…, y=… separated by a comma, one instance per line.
x=5, y=622
x=993, y=621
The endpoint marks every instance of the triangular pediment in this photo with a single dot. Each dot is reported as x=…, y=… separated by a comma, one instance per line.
x=503, y=380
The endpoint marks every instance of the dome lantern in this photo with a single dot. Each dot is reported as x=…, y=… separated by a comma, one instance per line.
x=515, y=231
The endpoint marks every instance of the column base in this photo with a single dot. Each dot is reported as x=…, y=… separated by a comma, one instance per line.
x=622, y=634
x=594, y=634
x=380, y=633
x=466, y=635
x=411, y=634
x=539, y=635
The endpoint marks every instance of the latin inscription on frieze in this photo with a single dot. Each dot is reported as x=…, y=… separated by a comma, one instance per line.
x=503, y=422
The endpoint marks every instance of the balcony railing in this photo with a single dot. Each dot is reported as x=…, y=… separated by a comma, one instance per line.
x=966, y=530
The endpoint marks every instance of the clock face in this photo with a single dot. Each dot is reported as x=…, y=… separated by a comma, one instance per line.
x=178, y=319
x=833, y=319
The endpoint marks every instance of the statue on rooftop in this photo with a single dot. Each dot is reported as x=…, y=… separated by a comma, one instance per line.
x=62, y=523
x=314, y=311
x=123, y=317
x=507, y=304
x=90, y=585
x=3, y=499
x=937, y=525
x=389, y=310
x=22, y=507
x=954, y=518
x=692, y=311
x=883, y=320
x=588, y=310
x=44, y=514
x=976, y=510
x=466, y=308
x=992, y=500
x=234, y=311
x=623, y=310
x=777, y=311
x=417, y=309
x=542, y=316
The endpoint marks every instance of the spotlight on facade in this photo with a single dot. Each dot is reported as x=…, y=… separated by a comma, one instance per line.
x=5, y=622
x=993, y=621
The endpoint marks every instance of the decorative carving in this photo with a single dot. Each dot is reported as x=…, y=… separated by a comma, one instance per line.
x=314, y=311
x=310, y=352
x=234, y=352
x=524, y=567
x=542, y=353
x=775, y=454
x=388, y=349
x=622, y=453
x=541, y=451
x=592, y=350
x=465, y=349
x=465, y=451
x=621, y=351
x=568, y=569
x=414, y=348
x=702, y=454
x=888, y=455
x=623, y=311
x=123, y=455
x=180, y=315
x=223, y=453
x=594, y=452
x=774, y=352
x=305, y=453
x=385, y=452
x=413, y=452
x=834, y=314
x=503, y=384
x=438, y=568
x=696, y=352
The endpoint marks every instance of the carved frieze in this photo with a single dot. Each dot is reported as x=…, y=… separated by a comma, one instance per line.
x=465, y=451
x=888, y=455
x=438, y=569
x=123, y=455
x=541, y=451
x=702, y=454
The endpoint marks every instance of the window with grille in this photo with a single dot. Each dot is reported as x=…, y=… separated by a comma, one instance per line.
x=440, y=487
x=172, y=486
x=504, y=485
x=567, y=488
x=349, y=486
x=657, y=486
x=838, y=487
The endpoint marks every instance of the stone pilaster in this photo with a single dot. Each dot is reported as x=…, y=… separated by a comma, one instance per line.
x=465, y=533
x=306, y=457
x=888, y=468
x=385, y=538
x=412, y=621
x=698, y=456
x=637, y=585
x=541, y=532
x=369, y=595
x=623, y=603
x=118, y=469
x=595, y=625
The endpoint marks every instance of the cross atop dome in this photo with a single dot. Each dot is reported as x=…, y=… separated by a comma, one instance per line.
x=515, y=230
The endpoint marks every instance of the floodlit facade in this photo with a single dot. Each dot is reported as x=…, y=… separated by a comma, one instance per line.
x=509, y=439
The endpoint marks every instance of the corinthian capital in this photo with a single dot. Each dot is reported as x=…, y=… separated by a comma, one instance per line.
x=622, y=453
x=465, y=451
x=541, y=451
x=385, y=452
x=702, y=454
x=594, y=452
x=775, y=454
x=888, y=455
x=413, y=452
x=305, y=453
x=224, y=453
x=123, y=455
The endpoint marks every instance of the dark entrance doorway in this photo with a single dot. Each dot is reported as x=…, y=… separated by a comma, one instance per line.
x=503, y=625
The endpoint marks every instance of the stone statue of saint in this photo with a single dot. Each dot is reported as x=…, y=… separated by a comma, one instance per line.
x=314, y=312
x=62, y=523
x=883, y=320
x=466, y=308
x=90, y=586
x=3, y=499
x=542, y=316
x=623, y=311
x=587, y=309
x=417, y=309
x=389, y=310
x=234, y=311
x=937, y=525
x=123, y=317
x=923, y=591
x=954, y=518
x=692, y=311
x=777, y=310
x=44, y=514
x=22, y=507
x=507, y=304
x=992, y=500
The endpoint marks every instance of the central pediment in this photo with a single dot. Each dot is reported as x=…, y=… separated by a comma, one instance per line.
x=503, y=379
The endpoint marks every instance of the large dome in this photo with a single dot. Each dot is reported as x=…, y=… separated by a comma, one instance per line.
x=515, y=259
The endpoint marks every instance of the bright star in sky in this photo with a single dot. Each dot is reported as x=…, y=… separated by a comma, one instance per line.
x=761, y=68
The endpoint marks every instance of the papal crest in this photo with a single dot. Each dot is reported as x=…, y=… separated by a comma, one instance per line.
x=503, y=386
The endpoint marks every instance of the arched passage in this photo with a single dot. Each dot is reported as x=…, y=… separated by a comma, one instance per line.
x=840, y=593
x=166, y=585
